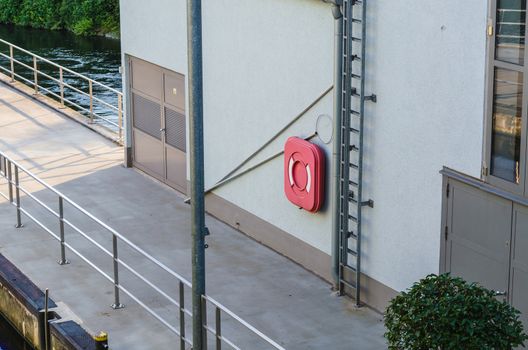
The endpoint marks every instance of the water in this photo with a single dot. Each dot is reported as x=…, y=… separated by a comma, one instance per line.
x=96, y=57
x=9, y=338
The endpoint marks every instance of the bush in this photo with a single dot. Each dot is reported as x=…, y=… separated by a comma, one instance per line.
x=446, y=313
x=84, y=17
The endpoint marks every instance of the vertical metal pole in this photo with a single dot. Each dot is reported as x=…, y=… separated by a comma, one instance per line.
x=194, y=48
x=63, y=260
x=46, y=323
x=35, y=74
x=218, y=332
x=17, y=191
x=120, y=115
x=117, y=304
x=61, y=77
x=10, y=181
x=182, y=316
x=90, y=90
x=203, y=314
x=12, y=61
x=336, y=161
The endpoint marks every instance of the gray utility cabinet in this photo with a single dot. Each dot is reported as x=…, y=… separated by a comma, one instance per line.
x=157, y=108
x=485, y=237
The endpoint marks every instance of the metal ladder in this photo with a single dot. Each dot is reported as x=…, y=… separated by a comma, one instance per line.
x=351, y=163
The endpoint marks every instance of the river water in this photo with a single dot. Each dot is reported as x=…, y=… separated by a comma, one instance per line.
x=98, y=58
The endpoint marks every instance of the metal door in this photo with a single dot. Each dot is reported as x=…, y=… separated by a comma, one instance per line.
x=519, y=263
x=478, y=237
x=159, y=126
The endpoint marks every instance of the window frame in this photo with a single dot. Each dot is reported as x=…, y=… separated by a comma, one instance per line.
x=491, y=65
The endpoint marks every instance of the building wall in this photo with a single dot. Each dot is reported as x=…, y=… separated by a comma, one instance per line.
x=266, y=60
x=426, y=63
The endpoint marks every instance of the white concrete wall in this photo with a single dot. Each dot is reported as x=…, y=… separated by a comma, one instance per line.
x=426, y=63
x=264, y=63
x=267, y=60
x=155, y=31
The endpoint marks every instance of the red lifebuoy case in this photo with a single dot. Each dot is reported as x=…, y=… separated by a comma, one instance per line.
x=304, y=172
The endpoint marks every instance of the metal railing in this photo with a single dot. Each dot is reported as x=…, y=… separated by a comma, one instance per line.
x=11, y=171
x=115, y=110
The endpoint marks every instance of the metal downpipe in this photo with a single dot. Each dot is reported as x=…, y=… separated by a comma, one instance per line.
x=195, y=73
x=336, y=154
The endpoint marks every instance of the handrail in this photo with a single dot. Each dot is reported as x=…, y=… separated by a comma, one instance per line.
x=62, y=84
x=10, y=170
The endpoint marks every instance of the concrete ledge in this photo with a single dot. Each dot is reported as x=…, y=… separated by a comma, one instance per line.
x=22, y=303
x=70, y=336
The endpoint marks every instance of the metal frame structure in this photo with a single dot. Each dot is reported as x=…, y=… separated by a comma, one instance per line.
x=12, y=172
x=350, y=175
x=62, y=84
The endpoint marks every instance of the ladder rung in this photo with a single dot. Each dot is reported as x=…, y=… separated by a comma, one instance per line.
x=355, y=76
x=353, y=183
x=354, y=148
x=353, y=269
x=355, y=20
x=353, y=166
x=351, y=235
x=348, y=284
x=356, y=39
x=355, y=58
x=354, y=130
x=354, y=112
x=352, y=200
x=353, y=218
x=351, y=252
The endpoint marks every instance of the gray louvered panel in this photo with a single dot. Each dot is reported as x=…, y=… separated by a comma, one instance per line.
x=175, y=129
x=147, y=116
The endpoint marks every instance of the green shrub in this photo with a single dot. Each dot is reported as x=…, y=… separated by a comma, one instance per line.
x=85, y=17
x=446, y=313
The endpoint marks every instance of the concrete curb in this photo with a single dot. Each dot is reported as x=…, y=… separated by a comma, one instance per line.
x=22, y=304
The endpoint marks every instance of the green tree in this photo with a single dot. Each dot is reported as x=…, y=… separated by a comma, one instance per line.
x=85, y=17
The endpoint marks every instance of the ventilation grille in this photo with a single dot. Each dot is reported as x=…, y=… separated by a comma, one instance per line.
x=175, y=125
x=147, y=116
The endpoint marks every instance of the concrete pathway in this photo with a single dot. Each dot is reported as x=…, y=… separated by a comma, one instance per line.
x=277, y=296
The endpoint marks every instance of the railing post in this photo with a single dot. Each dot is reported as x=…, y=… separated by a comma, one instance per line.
x=63, y=260
x=10, y=180
x=35, y=74
x=182, y=316
x=117, y=304
x=61, y=77
x=120, y=115
x=218, y=332
x=17, y=191
x=90, y=90
x=12, y=60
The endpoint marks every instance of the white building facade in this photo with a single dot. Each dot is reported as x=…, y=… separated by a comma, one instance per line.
x=270, y=62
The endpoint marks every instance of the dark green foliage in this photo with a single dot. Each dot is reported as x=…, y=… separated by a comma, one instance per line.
x=86, y=17
x=446, y=313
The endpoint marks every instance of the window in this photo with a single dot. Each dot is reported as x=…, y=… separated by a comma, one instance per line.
x=508, y=104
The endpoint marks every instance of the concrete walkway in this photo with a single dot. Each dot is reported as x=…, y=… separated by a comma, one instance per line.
x=283, y=300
